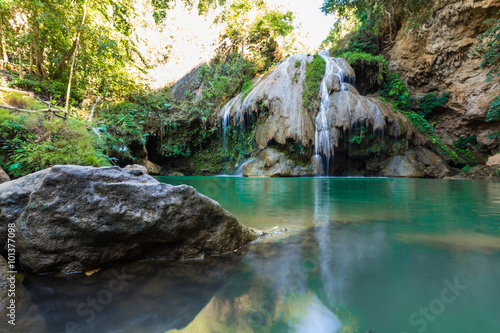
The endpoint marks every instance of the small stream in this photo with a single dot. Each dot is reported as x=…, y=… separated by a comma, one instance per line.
x=358, y=254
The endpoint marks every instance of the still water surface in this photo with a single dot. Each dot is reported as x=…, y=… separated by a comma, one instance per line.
x=358, y=254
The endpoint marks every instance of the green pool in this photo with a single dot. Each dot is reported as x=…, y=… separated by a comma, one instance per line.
x=343, y=255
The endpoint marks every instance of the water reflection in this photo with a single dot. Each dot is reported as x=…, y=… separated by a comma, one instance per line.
x=139, y=297
x=362, y=254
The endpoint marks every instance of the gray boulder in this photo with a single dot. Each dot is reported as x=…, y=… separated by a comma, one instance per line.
x=4, y=177
x=137, y=167
x=73, y=218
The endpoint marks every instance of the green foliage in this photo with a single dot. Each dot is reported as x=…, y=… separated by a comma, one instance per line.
x=106, y=59
x=362, y=41
x=315, y=70
x=127, y=123
x=29, y=143
x=462, y=142
x=493, y=113
x=466, y=168
x=241, y=144
x=369, y=59
x=462, y=149
x=254, y=29
x=297, y=63
x=50, y=89
x=223, y=79
x=20, y=101
x=396, y=90
x=246, y=88
x=493, y=135
x=431, y=102
x=389, y=10
x=359, y=138
x=488, y=43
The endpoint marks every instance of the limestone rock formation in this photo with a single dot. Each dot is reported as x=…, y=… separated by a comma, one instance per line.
x=494, y=161
x=437, y=57
x=282, y=117
x=272, y=163
x=489, y=141
x=4, y=177
x=416, y=163
x=73, y=218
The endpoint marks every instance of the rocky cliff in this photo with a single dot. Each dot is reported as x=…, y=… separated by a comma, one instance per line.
x=439, y=56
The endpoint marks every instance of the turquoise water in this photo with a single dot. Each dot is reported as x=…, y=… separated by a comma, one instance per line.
x=343, y=255
x=385, y=255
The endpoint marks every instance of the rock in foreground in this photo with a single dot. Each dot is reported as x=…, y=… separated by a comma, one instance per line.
x=73, y=218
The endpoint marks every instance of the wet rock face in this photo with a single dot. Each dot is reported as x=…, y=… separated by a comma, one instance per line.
x=72, y=218
x=272, y=163
x=437, y=57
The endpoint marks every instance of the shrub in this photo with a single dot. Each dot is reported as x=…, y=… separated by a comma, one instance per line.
x=29, y=143
x=395, y=89
x=493, y=113
x=315, y=70
x=430, y=102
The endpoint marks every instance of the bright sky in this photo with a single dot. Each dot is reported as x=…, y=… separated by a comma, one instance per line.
x=309, y=16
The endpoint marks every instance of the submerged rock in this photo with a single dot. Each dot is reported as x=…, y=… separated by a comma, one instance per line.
x=272, y=163
x=73, y=218
x=4, y=177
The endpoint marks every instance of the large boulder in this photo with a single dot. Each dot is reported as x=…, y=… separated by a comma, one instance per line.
x=489, y=141
x=403, y=166
x=272, y=163
x=416, y=163
x=74, y=218
x=4, y=177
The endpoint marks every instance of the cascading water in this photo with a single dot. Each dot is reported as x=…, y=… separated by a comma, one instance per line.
x=323, y=137
x=225, y=119
x=276, y=98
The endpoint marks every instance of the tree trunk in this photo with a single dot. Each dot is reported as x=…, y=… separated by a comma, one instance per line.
x=38, y=50
x=64, y=62
x=4, y=48
x=74, y=59
x=20, y=64
x=31, y=59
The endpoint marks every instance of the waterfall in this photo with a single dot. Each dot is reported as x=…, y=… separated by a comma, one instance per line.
x=225, y=118
x=276, y=98
x=93, y=107
x=323, y=137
